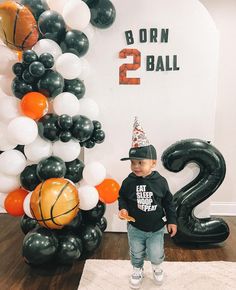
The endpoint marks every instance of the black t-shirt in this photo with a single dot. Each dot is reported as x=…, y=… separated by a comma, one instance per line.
x=148, y=200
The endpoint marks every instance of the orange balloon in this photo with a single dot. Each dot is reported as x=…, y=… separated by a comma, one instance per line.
x=34, y=105
x=108, y=190
x=19, y=55
x=14, y=202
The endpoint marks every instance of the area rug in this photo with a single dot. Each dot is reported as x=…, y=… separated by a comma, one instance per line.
x=114, y=275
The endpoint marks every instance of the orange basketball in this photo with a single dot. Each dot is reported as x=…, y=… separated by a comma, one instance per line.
x=18, y=27
x=34, y=105
x=54, y=203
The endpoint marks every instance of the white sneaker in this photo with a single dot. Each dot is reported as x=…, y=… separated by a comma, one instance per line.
x=136, y=278
x=158, y=274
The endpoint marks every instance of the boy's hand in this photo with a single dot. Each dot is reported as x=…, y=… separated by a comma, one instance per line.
x=172, y=229
x=124, y=215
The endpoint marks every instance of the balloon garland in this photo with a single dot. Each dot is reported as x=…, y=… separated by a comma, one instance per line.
x=44, y=121
x=212, y=172
x=47, y=121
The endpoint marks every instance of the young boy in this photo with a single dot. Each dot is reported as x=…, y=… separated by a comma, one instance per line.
x=144, y=200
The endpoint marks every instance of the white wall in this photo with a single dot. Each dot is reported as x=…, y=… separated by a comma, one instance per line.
x=171, y=105
x=224, y=15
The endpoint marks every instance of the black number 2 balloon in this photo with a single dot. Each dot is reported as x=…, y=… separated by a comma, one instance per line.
x=212, y=172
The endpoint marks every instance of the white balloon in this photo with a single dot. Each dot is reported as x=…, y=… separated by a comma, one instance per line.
x=5, y=84
x=26, y=205
x=89, y=108
x=9, y=108
x=67, y=151
x=5, y=143
x=49, y=46
x=82, y=183
x=9, y=182
x=38, y=149
x=66, y=103
x=94, y=173
x=57, y=5
x=85, y=68
x=88, y=197
x=2, y=199
x=22, y=130
x=12, y=162
x=68, y=65
x=8, y=58
x=76, y=14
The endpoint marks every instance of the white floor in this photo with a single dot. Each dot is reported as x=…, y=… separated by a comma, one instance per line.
x=114, y=275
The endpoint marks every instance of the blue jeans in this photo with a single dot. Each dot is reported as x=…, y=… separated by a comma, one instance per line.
x=145, y=244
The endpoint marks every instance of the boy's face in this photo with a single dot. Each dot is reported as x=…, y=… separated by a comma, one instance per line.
x=142, y=167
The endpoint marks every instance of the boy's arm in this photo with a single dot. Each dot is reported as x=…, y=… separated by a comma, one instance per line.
x=169, y=205
x=121, y=199
x=123, y=208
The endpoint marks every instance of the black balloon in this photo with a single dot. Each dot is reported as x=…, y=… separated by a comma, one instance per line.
x=82, y=128
x=212, y=172
x=27, y=77
x=18, y=69
x=76, y=87
x=29, y=178
x=39, y=246
x=29, y=56
x=51, y=167
x=65, y=136
x=76, y=42
x=75, y=225
x=97, y=125
x=27, y=224
x=20, y=148
x=102, y=224
x=52, y=25
x=20, y=88
x=47, y=60
x=48, y=127
x=65, y=122
x=98, y=136
x=74, y=170
x=88, y=144
x=37, y=7
x=91, y=237
x=103, y=13
x=96, y=213
x=36, y=69
x=91, y=2
x=69, y=248
x=51, y=83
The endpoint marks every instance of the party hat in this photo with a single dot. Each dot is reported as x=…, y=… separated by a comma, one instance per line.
x=140, y=148
x=139, y=138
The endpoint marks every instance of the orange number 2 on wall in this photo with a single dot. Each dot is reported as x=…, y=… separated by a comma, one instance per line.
x=123, y=80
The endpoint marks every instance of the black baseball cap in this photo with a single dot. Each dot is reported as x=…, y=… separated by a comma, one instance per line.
x=139, y=153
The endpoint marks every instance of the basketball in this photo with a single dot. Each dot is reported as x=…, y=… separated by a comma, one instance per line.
x=54, y=203
x=18, y=27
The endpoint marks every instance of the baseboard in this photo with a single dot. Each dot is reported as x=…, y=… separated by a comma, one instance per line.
x=2, y=210
x=223, y=208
